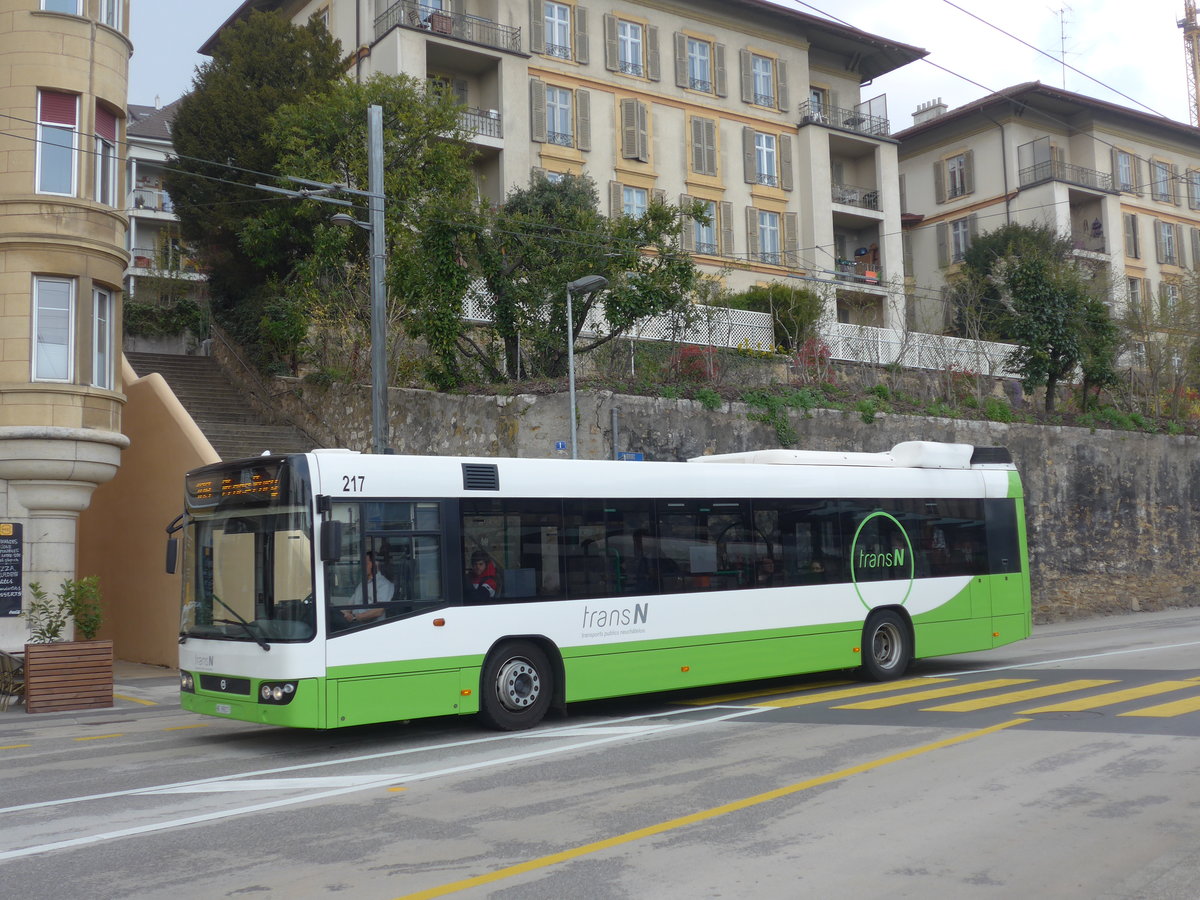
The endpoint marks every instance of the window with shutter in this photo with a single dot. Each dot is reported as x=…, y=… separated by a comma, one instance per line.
x=57, y=143
x=556, y=29
x=1132, y=248
x=634, y=137
x=704, y=146
x=583, y=120
x=725, y=224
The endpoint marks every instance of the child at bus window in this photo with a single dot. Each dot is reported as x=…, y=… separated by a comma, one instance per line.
x=374, y=589
x=482, y=584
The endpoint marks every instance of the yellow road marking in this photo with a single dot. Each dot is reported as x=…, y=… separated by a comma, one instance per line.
x=860, y=691
x=1166, y=710
x=134, y=700
x=1112, y=697
x=184, y=727
x=702, y=816
x=1019, y=696
x=16, y=747
x=750, y=695
x=952, y=691
x=98, y=737
x=396, y=790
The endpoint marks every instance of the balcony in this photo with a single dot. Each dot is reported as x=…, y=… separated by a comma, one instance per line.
x=476, y=30
x=1056, y=170
x=850, y=119
x=483, y=122
x=852, y=195
x=858, y=271
x=150, y=199
x=171, y=263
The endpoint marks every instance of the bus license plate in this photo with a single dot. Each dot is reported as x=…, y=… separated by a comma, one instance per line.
x=224, y=709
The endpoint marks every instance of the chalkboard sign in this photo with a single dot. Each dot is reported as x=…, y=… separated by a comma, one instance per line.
x=10, y=569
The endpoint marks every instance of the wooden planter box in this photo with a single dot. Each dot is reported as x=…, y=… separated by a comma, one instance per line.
x=68, y=675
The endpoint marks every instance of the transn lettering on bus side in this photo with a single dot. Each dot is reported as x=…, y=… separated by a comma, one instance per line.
x=880, y=560
x=605, y=618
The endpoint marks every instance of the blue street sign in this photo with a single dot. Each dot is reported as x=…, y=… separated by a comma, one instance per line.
x=629, y=456
x=560, y=445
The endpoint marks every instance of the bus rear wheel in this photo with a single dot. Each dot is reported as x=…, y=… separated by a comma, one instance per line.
x=517, y=686
x=886, y=646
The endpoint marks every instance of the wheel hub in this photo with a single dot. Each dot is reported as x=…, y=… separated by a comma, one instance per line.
x=518, y=684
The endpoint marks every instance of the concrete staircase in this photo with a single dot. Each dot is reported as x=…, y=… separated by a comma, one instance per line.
x=227, y=417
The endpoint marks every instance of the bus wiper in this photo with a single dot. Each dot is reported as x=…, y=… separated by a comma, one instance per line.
x=240, y=621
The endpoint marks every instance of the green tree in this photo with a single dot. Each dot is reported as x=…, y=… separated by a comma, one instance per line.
x=794, y=311
x=260, y=64
x=551, y=233
x=430, y=215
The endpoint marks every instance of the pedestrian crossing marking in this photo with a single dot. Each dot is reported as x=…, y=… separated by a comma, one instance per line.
x=1111, y=698
x=935, y=693
x=1167, y=710
x=1019, y=696
x=860, y=691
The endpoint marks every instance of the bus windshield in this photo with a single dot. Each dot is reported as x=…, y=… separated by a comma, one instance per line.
x=248, y=571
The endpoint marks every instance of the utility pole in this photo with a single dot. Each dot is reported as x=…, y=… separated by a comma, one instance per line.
x=1191, y=42
x=374, y=225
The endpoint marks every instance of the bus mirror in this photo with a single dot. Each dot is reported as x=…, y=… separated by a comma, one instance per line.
x=172, y=555
x=331, y=542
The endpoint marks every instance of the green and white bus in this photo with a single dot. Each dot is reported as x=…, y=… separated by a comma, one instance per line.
x=334, y=588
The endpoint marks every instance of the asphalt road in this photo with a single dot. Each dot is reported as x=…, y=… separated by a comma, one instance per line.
x=1067, y=765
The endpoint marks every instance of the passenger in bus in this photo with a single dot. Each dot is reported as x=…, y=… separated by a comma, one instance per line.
x=482, y=584
x=374, y=589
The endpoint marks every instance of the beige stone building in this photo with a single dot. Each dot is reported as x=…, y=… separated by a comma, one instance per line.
x=1122, y=184
x=62, y=255
x=753, y=108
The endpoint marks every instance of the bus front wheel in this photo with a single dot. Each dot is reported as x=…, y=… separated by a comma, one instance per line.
x=517, y=686
x=886, y=646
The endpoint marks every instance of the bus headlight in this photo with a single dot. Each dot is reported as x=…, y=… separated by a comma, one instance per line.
x=278, y=693
x=187, y=684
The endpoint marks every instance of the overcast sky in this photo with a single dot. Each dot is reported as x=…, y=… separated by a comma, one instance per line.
x=1133, y=47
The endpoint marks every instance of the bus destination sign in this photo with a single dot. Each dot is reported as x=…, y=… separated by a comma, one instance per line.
x=256, y=483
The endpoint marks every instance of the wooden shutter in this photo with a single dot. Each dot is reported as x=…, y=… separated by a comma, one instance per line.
x=747, y=73
x=583, y=120
x=581, y=36
x=709, y=137
x=785, y=161
x=969, y=172
x=943, y=244
x=1178, y=245
x=781, y=85
x=751, y=233
x=1175, y=192
x=643, y=131
x=791, y=239
x=659, y=196
x=616, y=200
x=682, y=78
x=1114, y=156
x=612, y=60
x=906, y=250
x=687, y=226
x=1132, y=249
x=903, y=195
x=653, y=57
x=972, y=228
x=725, y=223
x=719, y=70
x=537, y=109
x=1158, y=241
x=629, y=142
x=749, y=167
x=939, y=181
x=537, y=27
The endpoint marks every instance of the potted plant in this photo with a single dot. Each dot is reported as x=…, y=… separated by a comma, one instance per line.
x=67, y=674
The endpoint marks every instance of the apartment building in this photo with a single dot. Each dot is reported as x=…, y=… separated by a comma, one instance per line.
x=754, y=109
x=1123, y=185
x=161, y=267
x=62, y=255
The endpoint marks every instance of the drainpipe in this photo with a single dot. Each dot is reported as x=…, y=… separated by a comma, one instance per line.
x=1004, y=168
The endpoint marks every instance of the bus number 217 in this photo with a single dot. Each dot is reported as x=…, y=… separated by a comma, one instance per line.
x=353, y=484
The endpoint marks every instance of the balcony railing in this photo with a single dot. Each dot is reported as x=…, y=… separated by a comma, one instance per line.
x=915, y=350
x=150, y=199
x=859, y=271
x=171, y=262
x=850, y=119
x=485, y=122
x=477, y=30
x=1057, y=170
x=852, y=195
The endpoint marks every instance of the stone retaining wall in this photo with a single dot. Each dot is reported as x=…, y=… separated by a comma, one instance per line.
x=1114, y=517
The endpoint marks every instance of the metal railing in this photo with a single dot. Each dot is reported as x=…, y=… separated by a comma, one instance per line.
x=1056, y=170
x=852, y=195
x=915, y=349
x=859, y=271
x=150, y=199
x=477, y=30
x=850, y=119
x=486, y=122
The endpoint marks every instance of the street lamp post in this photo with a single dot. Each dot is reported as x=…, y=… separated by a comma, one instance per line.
x=585, y=285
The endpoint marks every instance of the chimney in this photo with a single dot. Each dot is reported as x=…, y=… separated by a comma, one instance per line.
x=928, y=111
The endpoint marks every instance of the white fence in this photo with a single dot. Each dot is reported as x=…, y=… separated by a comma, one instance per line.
x=718, y=326
x=915, y=350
